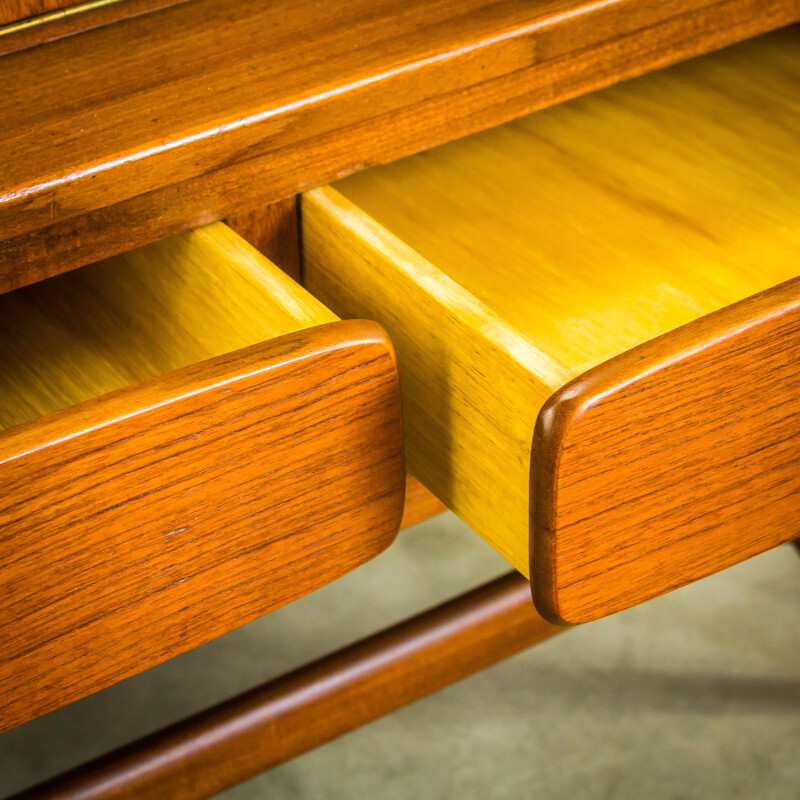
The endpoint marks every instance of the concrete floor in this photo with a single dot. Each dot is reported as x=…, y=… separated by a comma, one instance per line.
x=695, y=695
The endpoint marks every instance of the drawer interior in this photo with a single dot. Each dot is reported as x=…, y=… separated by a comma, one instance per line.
x=135, y=316
x=604, y=222
x=508, y=263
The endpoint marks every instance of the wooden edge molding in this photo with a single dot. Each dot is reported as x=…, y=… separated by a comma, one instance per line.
x=143, y=523
x=100, y=177
x=73, y=18
x=234, y=741
x=669, y=462
x=27, y=13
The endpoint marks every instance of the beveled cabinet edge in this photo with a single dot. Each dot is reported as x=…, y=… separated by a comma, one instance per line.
x=108, y=202
x=347, y=532
x=572, y=401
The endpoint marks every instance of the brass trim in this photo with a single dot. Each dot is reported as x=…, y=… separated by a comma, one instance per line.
x=54, y=16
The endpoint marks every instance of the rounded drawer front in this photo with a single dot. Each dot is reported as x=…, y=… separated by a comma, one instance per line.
x=598, y=266
x=191, y=440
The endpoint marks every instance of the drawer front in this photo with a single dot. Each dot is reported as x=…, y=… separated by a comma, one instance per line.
x=509, y=264
x=142, y=523
x=670, y=462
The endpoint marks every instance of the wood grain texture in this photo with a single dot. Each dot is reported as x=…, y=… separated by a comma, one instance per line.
x=152, y=518
x=173, y=303
x=14, y=10
x=88, y=175
x=142, y=524
x=506, y=264
x=670, y=462
x=78, y=17
x=238, y=739
x=273, y=231
x=470, y=386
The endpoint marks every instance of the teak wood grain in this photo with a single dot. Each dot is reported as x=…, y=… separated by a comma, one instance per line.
x=508, y=263
x=669, y=462
x=87, y=174
x=72, y=19
x=273, y=231
x=14, y=10
x=220, y=747
x=156, y=518
x=192, y=471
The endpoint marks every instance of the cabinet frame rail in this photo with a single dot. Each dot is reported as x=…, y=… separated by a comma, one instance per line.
x=292, y=714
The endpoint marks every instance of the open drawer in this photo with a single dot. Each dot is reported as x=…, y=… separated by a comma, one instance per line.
x=243, y=449
x=597, y=266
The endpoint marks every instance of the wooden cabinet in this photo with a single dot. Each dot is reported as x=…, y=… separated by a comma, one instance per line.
x=191, y=439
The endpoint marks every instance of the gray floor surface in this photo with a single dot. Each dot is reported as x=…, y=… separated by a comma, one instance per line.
x=694, y=695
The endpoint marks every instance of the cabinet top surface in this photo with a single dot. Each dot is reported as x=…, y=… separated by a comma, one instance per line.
x=139, y=129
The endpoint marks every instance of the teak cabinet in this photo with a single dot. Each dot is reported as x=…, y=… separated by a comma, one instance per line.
x=570, y=309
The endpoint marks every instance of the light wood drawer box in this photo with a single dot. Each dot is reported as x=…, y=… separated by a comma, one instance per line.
x=245, y=447
x=597, y=266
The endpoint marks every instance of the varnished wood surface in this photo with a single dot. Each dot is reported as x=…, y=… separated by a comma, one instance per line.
x=273, y=231
x=159, y=517
x=155, y=517
x=165, y=306
x=74, y=19
x=293, y=714
x=670, y=462
x=508, y=263
x=87, y=174
x=14, y=10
